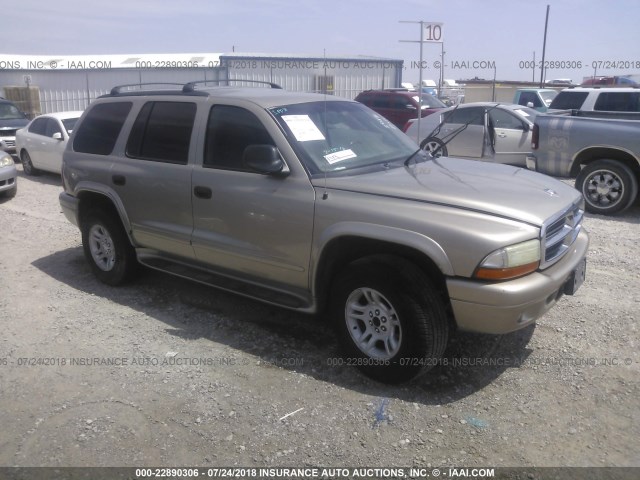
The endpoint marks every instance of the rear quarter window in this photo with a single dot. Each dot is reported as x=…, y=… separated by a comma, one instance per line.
x=618, y=102
x=569, y=100
x=98, y=132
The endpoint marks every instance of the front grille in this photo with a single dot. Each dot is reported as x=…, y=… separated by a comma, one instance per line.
x=8, y=132
x=559, y=233
x=9, y=143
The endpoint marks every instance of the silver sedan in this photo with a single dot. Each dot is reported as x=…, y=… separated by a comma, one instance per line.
x=491, y=132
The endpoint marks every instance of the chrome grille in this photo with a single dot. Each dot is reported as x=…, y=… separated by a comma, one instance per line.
x=559, y=233
x=8, y=132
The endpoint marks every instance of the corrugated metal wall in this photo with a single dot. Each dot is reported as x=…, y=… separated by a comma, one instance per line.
x=62, y=90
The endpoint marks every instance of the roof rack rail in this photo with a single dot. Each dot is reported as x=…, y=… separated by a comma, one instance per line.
x=117, y=89
x=189, y=87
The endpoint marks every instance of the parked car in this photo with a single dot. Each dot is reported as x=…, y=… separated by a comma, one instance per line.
x=399, y=105
x=610, y=80
x=11, y=119
x=40, y=144
x=607, y=102
x=537, y=98
x=8, y=175
x=318, y=204
x=491, y=132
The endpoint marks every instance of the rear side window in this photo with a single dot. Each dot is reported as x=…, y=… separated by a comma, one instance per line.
x=99, y=131
x=162, y=132
x=229, y=131
x=618, y=102
x=472, y=116
x=569, y=100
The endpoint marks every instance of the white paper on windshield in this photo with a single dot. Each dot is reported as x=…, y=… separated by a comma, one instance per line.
x=303, y=128
x=340, y=156
x=522, y=112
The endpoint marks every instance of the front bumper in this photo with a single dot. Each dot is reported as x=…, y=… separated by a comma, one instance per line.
x=8, y=178
x=508, y=306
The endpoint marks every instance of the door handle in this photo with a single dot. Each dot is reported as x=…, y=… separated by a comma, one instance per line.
x=502, y=135
x=118, y=179
x=202, y=192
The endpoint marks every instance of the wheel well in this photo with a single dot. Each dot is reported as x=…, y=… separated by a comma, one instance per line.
x=345, y=250
x=95, y=201
x=602, y=153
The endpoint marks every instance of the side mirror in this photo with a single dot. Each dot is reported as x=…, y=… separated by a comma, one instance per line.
x=264, y=159
x=57, y=136
x=529, y=104
x=525, y=127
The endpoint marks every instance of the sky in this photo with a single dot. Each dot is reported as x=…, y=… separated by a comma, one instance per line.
x=585, y=37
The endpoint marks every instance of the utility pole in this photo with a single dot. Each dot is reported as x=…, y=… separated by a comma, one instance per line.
x=544, y=47
x=434, y=35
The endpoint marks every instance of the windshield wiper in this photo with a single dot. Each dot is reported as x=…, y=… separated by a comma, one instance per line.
x=406, y=162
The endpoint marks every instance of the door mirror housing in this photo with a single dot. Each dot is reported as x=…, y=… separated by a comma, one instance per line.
x=264, y=159
x=57, y=136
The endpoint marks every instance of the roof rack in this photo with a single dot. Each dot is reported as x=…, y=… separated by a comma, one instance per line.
x=117, y=89
x=190, y=87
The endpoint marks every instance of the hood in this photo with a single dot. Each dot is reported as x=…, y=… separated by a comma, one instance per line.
x=12, y=123
x=501, y=190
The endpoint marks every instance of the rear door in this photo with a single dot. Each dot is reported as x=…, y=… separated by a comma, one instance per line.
x=153, y=177
x=464, y=141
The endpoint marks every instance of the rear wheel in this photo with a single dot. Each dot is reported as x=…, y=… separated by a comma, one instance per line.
x=607, y=186
x=435, y=147
x=390, y=320
x=107, y=248
x=27, y=164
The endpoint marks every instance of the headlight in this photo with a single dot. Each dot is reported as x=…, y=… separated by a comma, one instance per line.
x=510, y=262
x=6, y=161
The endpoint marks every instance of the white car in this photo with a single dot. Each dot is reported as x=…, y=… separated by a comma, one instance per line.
x=40, y=144
x=491, y=132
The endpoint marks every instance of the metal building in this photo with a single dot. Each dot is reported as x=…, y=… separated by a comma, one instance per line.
x=43, y=84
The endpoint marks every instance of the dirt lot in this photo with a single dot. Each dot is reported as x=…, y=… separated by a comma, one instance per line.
x=164, y=372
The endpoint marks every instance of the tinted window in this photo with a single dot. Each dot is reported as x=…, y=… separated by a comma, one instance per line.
x=526, y=97
x=501, y=119
x=38, y=126
x=162, y=132
x=569, y=100
x=380, y=102
x=9, y=111
x=229, y=131
x=618, y=101
x=52, y=127
x=100, y=129
x=472, y=116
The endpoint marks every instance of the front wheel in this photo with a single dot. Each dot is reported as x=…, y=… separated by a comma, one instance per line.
x=107, y=248
x=607, y=186
x=434, y=147
x=390, y=320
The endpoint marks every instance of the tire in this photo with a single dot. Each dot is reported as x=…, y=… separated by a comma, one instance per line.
x=608, y=186
x=391, y=322
x=434, y=144
x=27, y=164
x=107, y=248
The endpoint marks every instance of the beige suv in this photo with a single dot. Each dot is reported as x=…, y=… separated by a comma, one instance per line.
x=320, y=205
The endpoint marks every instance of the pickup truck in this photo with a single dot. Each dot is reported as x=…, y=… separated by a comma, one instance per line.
x=603, y=155
x=536, y=98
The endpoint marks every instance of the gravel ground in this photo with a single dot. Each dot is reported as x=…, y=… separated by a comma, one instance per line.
x=164, y=372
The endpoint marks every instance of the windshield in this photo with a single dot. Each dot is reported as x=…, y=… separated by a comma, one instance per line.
x=69, y=123
x=337, y=136
x=10, y=112
x=429, y=101
x=548, y=97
